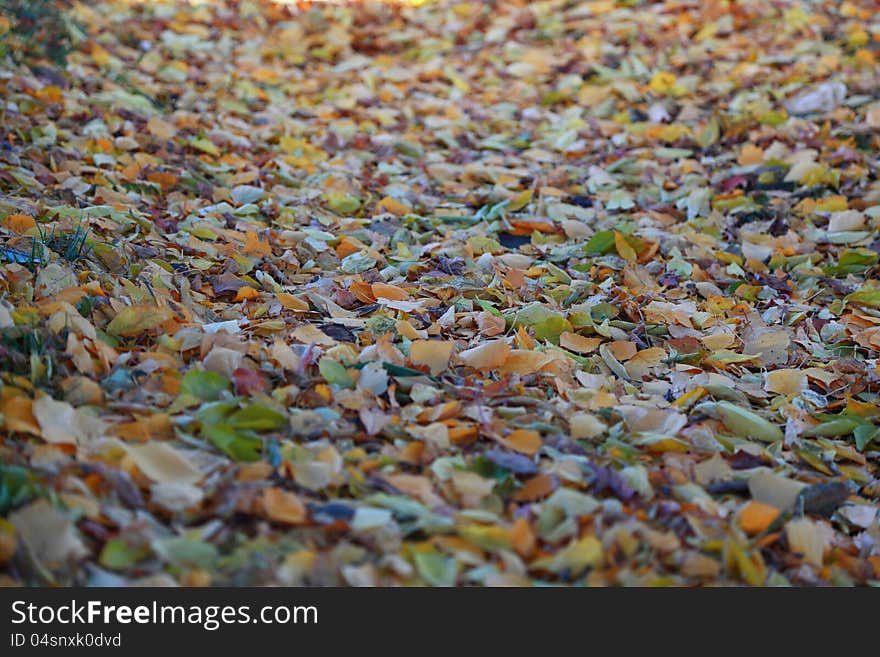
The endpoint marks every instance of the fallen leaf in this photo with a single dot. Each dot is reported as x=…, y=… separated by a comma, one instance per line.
x=488, y=356
x=284, y=507
x=134, y=320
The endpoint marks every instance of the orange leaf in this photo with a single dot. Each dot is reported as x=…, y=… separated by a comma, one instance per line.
x=246, y=292
x=412, y=453
x=527, y=227
x=536, y=488
x=135, y=431
x=165, y=180
x=522, y=538
x=254, y=246
x=875, y=565
x=578, y=343
x=100, y=55
x=283, y=506
x=463, y=434
x=362, y=291
x=19, y=223
x=291, y=302
x=756, y=517
x=524, y=340
x=443, y=411
x=17, y=413
x=525, y=441
x=487, y=356
x=50, y=94
x=623, y=349
x=347, y=246
x=386, y=291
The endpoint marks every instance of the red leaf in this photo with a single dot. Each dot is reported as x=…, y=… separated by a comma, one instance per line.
x=248, y=381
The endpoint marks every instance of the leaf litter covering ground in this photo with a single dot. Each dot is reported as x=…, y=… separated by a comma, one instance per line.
x=472, y=293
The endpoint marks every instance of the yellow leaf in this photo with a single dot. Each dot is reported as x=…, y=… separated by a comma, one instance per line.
x=486, y=537
x=393, y=206
x=809, y=538
x=137, y=319
x=161, y=129
x=662, y=82
x=57, y=420
x=785, y=382
x=205, y=145
x=433, y=353
x=624, y=250
x=835, y=203
x=750, y=155
x=520, y=201
x=161, y=462
x=100, y=55
x=579, y=555
x=311, y=334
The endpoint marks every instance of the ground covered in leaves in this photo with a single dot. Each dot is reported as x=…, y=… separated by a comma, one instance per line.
x=462, y=293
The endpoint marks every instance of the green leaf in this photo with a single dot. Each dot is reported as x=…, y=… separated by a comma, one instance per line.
x=436, y=568
x=334, y=372
x=400, y=370
x=620, y=200
x=17, y=486
x=488, y=307
x=602, y=311
x=864, y=434
x=216, y=412
x=551, y=328
x=709, y=134
x=204, y=145
x=342, y=204
x=575, y=558
x=852, y=261
x=357, y=263
x=258, y=418
x=601, y=243
x=482, y=244
x=204, y=385
x=118, y=554
x=487, y=537
x=841, y=425
x=238, y=444
x=747, y=424
x=532, y=315
x=865, y=297
x=189, y=552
